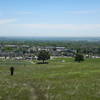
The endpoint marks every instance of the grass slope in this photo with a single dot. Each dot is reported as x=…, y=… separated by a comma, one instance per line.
x=57, y=80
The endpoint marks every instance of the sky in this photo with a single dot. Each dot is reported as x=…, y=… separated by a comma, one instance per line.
x=50, y=18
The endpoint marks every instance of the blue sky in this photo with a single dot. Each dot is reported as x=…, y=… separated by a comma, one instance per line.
x=74, y=18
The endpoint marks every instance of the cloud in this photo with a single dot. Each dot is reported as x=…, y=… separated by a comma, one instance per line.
x=7, y=21
x=81, y=12
x=24, y=12
x=62, y=26
x=50, y=30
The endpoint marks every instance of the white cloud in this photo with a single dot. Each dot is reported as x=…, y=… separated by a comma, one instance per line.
x=62, y=26
x=50, y=30
x=6, y=21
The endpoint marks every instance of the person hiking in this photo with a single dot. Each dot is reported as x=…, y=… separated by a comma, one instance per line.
x=12, y=70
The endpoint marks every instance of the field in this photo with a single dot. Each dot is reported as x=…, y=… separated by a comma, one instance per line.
x=58, y=80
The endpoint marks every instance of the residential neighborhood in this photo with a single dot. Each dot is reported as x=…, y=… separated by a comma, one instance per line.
x=30, y=52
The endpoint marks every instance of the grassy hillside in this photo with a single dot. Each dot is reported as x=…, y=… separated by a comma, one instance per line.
x=58, y=80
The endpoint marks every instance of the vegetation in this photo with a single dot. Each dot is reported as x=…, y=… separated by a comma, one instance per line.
x=84, y=47
x=61, y=79
x=43, y=55
x=57, y=80
x=79, y=57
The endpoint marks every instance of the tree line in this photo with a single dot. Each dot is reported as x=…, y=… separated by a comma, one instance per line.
x=45, y=55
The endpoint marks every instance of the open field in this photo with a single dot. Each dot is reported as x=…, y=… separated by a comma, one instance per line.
x=57, y=80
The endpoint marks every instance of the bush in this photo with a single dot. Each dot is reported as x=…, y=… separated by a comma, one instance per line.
x=79, y=57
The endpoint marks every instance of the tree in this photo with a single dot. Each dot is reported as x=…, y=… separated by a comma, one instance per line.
x=79, y=57
x=43, y=55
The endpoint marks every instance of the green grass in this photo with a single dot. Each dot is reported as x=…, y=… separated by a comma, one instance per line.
x=57, y=80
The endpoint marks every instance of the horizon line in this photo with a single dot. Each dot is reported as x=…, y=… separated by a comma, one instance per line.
x=53, y=36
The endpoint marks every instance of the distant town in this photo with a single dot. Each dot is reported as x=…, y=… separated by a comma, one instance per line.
x=26, y=52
